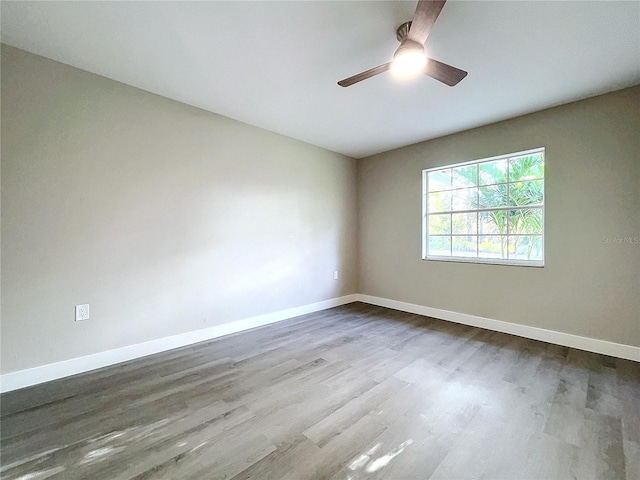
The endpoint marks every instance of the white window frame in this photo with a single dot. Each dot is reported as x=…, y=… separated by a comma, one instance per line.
x=477, y=259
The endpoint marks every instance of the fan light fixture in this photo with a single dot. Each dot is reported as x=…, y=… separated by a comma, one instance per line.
x=409, y=59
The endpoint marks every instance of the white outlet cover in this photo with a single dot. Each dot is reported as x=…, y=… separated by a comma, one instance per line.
x=82, y=312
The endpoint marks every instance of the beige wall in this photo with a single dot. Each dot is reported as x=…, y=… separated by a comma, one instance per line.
x=163, y=217
x=588, y=287
x=167, y=219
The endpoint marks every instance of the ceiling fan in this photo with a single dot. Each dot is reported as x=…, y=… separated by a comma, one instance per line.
x=410, y=58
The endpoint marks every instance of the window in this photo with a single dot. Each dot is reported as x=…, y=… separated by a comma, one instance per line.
x=486, y=211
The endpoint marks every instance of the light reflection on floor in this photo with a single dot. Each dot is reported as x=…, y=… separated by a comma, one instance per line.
x=380, y=462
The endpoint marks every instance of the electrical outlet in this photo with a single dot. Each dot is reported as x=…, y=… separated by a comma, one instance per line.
x=82, y=312
x=335, y=274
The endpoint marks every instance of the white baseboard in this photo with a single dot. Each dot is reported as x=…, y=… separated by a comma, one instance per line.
x=33, y=376
x=566, y=339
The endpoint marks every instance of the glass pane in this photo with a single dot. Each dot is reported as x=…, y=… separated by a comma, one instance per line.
x=464, y=223
x=465, y=246
x=526, y=220
x=492, y=246
x=439, y=202
x=526, y=193
x=527, y=247
x=440, y=246
x=439, y=224
x=528, y=167
x=494, y=196
x=439, y=180
x=492, y=222
x=492, y=172
x=464, y=199
x=465, y=176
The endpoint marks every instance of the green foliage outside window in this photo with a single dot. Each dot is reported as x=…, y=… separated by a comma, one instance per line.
x=487, y=209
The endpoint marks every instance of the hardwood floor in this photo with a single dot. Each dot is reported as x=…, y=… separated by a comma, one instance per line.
x=353, y=392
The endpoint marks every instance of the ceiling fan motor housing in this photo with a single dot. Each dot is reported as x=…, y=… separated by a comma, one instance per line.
x=408, y=46
x=402, y=31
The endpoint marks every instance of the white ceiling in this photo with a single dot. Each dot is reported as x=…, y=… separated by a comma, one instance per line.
x=275, y=64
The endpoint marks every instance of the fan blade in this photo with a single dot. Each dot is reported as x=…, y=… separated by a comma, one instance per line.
x=444, y=73
x=364, y=75
x=426, y=14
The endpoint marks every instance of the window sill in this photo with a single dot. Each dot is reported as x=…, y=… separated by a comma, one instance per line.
x=488, y=261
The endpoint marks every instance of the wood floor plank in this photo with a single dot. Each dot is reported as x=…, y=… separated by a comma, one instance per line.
x=333, y=424
x=356, y=391
x=281, y=461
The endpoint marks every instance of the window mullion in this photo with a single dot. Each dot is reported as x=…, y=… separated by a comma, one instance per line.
x=508, y=203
